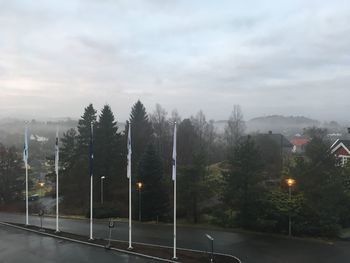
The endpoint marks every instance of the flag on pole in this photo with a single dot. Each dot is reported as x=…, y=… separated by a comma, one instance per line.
x=56, y=170
x=91, y=162
x=25, y=148
x=91, y=150
x=128, y=174
x=174, y=154
x=25, y=159
x=174, y=179
x=129, y=153
x=56, y=153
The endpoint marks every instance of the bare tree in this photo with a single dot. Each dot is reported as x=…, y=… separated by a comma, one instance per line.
x=162, y=131
x=175, y=117
x=235, y=127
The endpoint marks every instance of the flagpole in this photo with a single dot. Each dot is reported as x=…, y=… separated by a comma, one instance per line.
x=130, y=246
x=25, y=158
x=174, y=179
x=129, y=176
x=174, y=256
x=91, y=180
x=27, y=221
x=56, y=169
x=91, y=190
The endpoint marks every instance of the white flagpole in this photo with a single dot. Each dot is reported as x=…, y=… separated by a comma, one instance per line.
x=25, y=158
x=174, y=179
x=91, y=180
x=56, y=170
x=129, y=177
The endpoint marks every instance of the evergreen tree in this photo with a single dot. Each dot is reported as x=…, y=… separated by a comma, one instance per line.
x=68, y=148
x=141, y=133
x=84, y=128
x=194, y=143
x=155, y=198
x=75, y=186
x=319, y=177
x=243, y=183
x=108, y=158
x=186, y=137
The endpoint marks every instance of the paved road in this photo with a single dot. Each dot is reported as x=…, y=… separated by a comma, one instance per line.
x=21, y=246
x=250, y=248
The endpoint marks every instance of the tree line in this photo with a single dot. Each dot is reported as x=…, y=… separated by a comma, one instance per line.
x=231, y=179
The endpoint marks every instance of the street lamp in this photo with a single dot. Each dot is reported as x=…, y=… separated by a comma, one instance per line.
x=290, y=182
x=139, y=187
x=102, y=178
x=41, y=184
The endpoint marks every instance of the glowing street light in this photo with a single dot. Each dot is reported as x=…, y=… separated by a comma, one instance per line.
x=139, y=187
x=41, y=184
x=290, y=182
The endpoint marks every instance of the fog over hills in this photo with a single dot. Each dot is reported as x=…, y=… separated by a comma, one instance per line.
x=288, y=125
x=11, y=129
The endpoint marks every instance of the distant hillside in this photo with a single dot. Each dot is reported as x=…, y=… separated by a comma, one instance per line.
x=278, y=123
x=288, y=125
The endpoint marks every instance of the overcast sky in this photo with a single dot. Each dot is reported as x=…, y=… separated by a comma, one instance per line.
x=271, y=57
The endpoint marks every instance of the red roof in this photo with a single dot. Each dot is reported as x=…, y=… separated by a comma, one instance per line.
x=342, y=151
x=299, y=141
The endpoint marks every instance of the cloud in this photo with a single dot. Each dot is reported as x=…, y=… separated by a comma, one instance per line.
x=270, y=57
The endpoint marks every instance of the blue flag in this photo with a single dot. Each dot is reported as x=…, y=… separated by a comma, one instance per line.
x=128, y=174
x=174, y=155
x=91, y=154
x=25, y=148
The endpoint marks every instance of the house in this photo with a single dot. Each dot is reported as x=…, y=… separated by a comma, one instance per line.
x=299, y=144
x=341, y=149
x=282, y=142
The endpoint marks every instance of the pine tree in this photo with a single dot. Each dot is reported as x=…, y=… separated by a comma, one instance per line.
x=319, y=177
x=84, y=128
x=186, y=142
x=141, y=132
x=68, y=148
x=75, y=178
x=193, y=144
x=243, y=189
x=155, y=199
x=108, y=157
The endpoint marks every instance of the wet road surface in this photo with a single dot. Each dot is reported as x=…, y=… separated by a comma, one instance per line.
x=249, y=247
x=22, y=246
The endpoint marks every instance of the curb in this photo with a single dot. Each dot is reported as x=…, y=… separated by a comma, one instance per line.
x=180, y=248
x=88, y=243
x=123, y=241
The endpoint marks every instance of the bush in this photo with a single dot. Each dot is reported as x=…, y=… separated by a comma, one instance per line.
x=104, y=211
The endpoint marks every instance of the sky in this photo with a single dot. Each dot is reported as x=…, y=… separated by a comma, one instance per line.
x=271, y=57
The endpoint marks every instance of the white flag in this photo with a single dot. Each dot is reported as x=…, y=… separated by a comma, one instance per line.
x=25, y=149
x=129, y=153
x=174, y=154
x=56, y=153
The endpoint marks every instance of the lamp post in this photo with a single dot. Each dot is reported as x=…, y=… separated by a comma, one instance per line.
x=102, y=178
x=290, y=183
x=41, y=184
x=139, y=187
